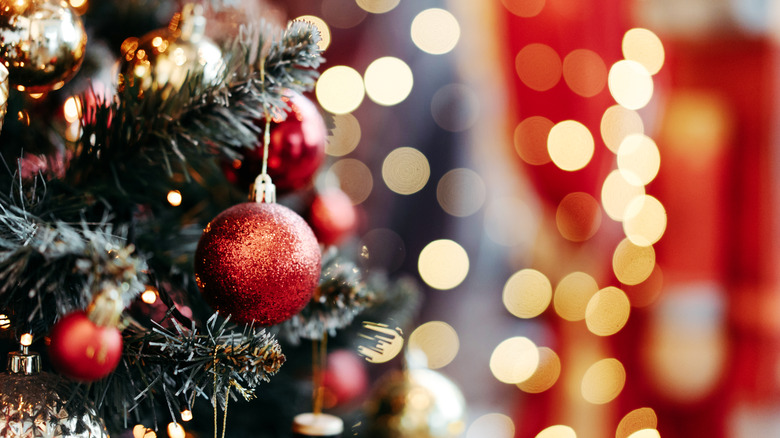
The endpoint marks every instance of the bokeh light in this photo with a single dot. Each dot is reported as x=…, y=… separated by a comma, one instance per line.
x=524, y=8
x=630, y=84
x=648, y=291
x=645, y=220
x=382, y=249
x=603, y=381
x=354, y=178
x=435, y=31
x=321, y=26
x=572, y=295
x=638, y=159
x=443, y=264
x=71, y=109
x=405, y=170
x=378, y=6
x=632, y=264
x=149, y=296
x=546, y=374
x=492, y=425
x=584, y=72
x=342, y=14
x=578, y=216
x=570, y=145
x=617, y=123
x=379, y=342
x=530, y=140
x=646, y=433
x=340, y=89
x=455, y=107
x=527, y=293
x=607, y=311
x=636, y=420
x=617, y=193
x=514, y=360
x=175, y=430
x=557, y=431
x=186, y=415
x=344, y=137
x=461, y=192
x=388, y=80
x=538, y=66
x=437, y=340
x=510, y=221
x=174, y=198
x=644, y=47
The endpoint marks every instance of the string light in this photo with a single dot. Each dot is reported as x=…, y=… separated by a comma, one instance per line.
x=149, y=296
x=186, y=415
x=174, y=198
x=26, y=339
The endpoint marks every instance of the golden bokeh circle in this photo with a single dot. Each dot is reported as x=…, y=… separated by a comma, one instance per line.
x=547, y=373
x=524, y=8
x=645, y=433
x=493, y=425
x=603, y=381
x=340, y=89
x=344, y=137
x=388, y=81
x=617, y=194
x=638, y=159
x=435, y=31
x=632, y=264
x=607, y=311
x=321, y=26
x=572, y=295
x=461, y=192
x=538, y=66
x=617, y=123
x=570, y=145
x=530, y=140
x=354, y=178
x=405, y=170
x=630, y=84
x=437, y=340
x=378, y=6
x=636, y=420
x=443, y=264
x=527, y=293
x=645, y=220
x=514, y=360
x=557, y=431
x=644, y=46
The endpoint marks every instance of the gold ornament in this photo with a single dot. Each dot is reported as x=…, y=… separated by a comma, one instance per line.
x=42, y=43
x=419, y=403
x=163, y=59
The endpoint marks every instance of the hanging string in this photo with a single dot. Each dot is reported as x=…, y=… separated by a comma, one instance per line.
x=264, y=190
x=224, y=418
x=319, y=362
x=214, y=397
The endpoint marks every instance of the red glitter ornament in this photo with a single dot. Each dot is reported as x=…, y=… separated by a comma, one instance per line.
x=332, y=216
x=295, y=152
x=83, y=350
x=257, y=262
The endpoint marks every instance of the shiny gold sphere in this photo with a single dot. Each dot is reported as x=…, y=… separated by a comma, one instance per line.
x=42, y=43
x=420, y=403
x=164, y=59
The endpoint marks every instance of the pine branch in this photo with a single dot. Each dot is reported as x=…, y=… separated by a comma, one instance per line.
x=174, y=366
x=340, y=296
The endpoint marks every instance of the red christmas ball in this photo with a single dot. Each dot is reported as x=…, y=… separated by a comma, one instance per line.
x=257, y=262
x=346, y=376
x=332, y=216
x=295, y=152
x=83, y=350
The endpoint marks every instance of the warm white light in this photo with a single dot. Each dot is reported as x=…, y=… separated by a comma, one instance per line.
x=435, y=31
x=72, y=109
x=186, y=415
x=149, y=296
x=174, y=198
x=388, y=81
x=26, y=339
x=175, y=430
x=340, y=89
x=321, y=26
x=443, y=264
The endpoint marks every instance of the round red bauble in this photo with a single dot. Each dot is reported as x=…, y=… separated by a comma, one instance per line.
x=257, y=262
x=332, y=216
x=295, y=152
x=83, y=350
x=346, y=376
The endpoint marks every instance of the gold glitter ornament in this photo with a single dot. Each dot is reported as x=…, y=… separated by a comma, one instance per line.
x=165, y=58
x=419, y=403
x=42, y=43
x=31, y=407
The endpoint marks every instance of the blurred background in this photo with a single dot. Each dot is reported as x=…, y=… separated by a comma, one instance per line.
x=587, y=190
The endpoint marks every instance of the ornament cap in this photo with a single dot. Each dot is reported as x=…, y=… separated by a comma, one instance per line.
x=23, y=362
x=322, y=425
x=264, y=190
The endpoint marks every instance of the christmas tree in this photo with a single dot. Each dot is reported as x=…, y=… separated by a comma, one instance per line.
x=131, y=262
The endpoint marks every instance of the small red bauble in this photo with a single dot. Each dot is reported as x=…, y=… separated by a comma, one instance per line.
x=257, y=262
x=332, y=216
x=83, y=350
x=346, y=376
x=295, y=152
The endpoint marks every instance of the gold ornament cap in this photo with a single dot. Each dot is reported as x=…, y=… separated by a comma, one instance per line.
x=322, y=425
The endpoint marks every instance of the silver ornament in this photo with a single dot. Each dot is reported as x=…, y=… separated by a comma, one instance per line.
x=419, y=403
x=42, y=43
x=30, y=406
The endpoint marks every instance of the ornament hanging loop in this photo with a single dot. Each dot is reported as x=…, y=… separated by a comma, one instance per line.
x=264, y=190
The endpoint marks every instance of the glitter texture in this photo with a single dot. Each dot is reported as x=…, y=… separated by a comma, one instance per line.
x=257, y=261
